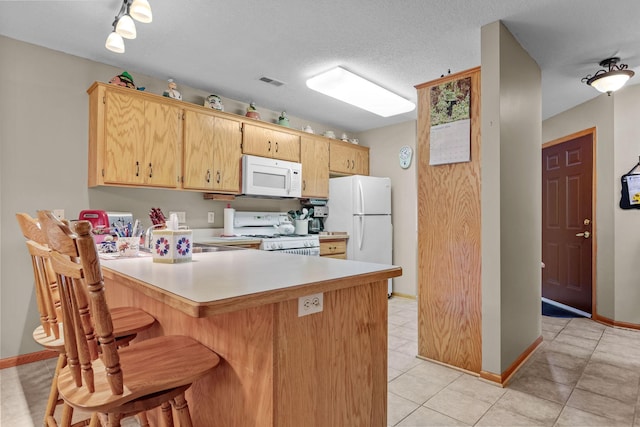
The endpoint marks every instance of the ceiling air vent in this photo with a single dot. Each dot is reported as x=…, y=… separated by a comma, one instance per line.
x=271, y=81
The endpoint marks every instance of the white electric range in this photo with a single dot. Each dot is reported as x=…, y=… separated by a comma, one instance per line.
x=267, y=227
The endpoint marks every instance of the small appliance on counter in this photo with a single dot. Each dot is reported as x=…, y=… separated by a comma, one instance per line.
x=104, y=223
x=318, y=213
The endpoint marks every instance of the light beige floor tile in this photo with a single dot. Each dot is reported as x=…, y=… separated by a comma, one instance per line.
x=435, y=373
x=425, y=417
x=556, y=321
x=621, y=340
x=553, y=373
x=605, y=355
x=586, y=323
x=398, y=408
x=416, y=389
x=406, y=333
x=393, y=373
x=583, y=332
x=410, y=348
x=571, y=350
x=559, y=359
x=542, y=388
x=548, y=335
x=629, y=333
x=459, y=406
x=394, y=341
x=474, y=387
x=611, y=381
x=586, y=343
x=572, y=417
x=601, y=405
x=401, y=361
x=543, y=411
x=498, y=417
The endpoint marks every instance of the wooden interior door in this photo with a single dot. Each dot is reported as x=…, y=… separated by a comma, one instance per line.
x=567, y=220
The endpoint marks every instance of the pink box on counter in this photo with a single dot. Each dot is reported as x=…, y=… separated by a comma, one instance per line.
x=172, y=246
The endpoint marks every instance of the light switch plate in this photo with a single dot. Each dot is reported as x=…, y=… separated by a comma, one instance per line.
x=211, y=217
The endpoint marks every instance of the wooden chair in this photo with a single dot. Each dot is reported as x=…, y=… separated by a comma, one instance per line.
x=122, y=381
x=127, y=321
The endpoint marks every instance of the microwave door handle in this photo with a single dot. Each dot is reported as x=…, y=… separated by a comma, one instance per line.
x=288, y=181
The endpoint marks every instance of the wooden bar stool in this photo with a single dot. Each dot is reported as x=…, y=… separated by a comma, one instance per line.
x=128, y=321
x=121, y=381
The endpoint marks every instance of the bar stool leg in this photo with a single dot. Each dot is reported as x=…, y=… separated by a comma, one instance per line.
x=142, y=419
x=53, y=393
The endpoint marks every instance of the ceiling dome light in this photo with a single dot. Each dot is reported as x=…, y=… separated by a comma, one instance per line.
x=115, y=43
x=611, y=80
x=141, y=11
x=126, y=27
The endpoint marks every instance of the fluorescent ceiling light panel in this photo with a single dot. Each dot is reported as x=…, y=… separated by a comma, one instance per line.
x=347, y=87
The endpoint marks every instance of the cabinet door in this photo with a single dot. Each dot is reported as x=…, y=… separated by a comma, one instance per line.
x=348, y=159
x=198, y=151
x=256, y=141
x=260, y=141
x=360, y=158
x=124, y=136
x=227, y=155
x=287, y=146
x=314, y=156
x=163, y=131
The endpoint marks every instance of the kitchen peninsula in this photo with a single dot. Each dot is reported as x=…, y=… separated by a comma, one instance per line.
x=279, y=369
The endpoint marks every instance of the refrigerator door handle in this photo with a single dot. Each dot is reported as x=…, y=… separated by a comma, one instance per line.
x=361, y=235
x=361, y=194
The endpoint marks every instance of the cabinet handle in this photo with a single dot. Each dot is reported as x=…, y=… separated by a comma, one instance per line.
x=348, y=164
x=218, y=177
x=150, y=170
x=353, y=164
x=276, y=146
x=208, y=176
x=137, y=168
x=269, y=146
x=304, y=184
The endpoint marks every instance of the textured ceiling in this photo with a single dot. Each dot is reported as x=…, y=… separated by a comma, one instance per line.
x=225, y=47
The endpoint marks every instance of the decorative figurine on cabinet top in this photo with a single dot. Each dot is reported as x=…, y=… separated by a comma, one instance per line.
x=252, y=112
x=283, y=120
x=124, y=80
x=214, y=102
x=172, y=91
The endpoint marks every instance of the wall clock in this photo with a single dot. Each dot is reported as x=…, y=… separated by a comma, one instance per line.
x=405, y=156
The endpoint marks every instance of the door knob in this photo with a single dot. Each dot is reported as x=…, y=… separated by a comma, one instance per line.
x=586, y=234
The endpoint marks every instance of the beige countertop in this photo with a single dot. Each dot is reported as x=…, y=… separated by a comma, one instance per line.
x=231, y=280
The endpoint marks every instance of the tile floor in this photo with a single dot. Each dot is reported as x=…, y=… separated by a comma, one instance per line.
x=584, y=374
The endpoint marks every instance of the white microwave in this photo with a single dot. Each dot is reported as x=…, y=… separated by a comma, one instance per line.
x=262, y=176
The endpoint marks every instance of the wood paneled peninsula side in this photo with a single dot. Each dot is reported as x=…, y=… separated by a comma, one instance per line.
x=278, y=369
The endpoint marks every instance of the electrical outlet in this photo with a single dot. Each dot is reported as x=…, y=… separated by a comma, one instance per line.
x=310, y=304
x=182, y=216
x=211, y=217
x=58, y=213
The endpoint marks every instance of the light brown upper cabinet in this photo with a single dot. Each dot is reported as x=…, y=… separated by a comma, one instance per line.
x=348, y=159
x=212, y=152
x=133, y=138
x=314, y=156
x=266, y=142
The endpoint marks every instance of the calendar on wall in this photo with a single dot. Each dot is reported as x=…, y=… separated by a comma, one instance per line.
x=450, y=133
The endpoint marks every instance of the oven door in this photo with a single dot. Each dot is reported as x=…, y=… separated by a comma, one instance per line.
x=270, y=177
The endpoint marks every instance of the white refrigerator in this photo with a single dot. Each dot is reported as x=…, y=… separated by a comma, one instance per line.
x=361, y=206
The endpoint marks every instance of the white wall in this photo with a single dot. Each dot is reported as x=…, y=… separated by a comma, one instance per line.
x=617, y=231
x=511, y=198
x=384, y=146
x=44, y=134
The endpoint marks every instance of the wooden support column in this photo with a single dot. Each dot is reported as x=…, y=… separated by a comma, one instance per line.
x=449, y=243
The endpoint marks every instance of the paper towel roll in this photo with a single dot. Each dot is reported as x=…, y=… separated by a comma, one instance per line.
x=228, y=221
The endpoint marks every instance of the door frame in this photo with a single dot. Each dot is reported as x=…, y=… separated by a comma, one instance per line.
x=594, y=250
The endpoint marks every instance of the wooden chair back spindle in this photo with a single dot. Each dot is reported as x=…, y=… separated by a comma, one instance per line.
x=60, y=238
x=77, y=281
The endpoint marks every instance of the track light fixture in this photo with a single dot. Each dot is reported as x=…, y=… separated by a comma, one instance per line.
x=611, y=79
x=123, y=25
